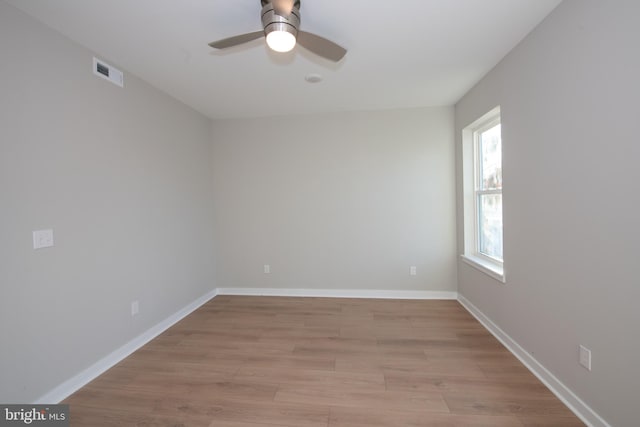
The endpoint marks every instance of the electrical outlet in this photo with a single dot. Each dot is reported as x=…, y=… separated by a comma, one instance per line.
x=585, y=357
x=42, y=239
x=412, y=270
x=267, y=269
x=135, y=308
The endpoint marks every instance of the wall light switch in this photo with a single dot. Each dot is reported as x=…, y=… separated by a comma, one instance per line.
x=412, y=270
x=42, y=239
x=267, y=269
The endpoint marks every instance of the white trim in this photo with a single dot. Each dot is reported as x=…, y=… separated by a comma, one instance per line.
x=68, y=387
x=568, y=397
x=340, y=293
x=472, y=192
x=494, y=270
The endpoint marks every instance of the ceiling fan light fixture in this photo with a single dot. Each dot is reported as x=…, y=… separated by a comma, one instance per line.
x=281, y=40
x=281, y=23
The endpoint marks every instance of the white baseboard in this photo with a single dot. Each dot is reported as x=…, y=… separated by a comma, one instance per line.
x=340, y=293
x=568, y=397
x=68, y=387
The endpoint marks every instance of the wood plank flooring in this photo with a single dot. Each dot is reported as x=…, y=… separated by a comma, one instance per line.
x=321, y=362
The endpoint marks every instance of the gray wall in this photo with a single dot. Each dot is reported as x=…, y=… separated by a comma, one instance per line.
x=569, y=97
x=125, y=179
x=123, y=176
x=338, y=201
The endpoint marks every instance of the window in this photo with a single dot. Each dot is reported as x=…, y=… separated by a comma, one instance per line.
x=482, y=180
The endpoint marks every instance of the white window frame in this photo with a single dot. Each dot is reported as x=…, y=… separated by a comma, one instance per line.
x=471, y=179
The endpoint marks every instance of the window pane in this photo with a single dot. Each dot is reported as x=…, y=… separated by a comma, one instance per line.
x=491, y=158
x=490, y=225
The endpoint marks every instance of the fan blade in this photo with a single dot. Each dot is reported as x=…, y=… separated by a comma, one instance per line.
x=236, y=40
x=283, y=7
x=321, y=46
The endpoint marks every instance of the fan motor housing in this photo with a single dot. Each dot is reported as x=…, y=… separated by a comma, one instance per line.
x=271, y=21
x=296, y=3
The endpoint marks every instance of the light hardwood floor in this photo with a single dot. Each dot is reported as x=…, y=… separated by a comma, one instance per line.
x=319, y=362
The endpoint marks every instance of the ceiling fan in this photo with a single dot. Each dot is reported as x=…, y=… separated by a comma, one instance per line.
x=281, y=23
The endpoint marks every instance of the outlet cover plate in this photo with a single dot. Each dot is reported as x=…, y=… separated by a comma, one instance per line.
x=42, y=239
x=585, y=357
x=135, y=308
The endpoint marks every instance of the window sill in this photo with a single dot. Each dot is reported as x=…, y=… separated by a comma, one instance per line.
x=490, y=269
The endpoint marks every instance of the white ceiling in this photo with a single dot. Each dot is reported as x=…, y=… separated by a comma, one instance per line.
x=410, y=53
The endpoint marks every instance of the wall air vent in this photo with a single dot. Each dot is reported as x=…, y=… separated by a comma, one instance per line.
x=107, y=72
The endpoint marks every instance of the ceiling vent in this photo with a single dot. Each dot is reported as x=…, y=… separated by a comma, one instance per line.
x=107, y=72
